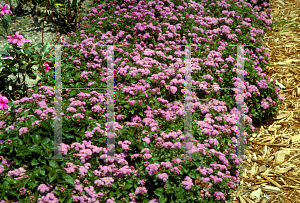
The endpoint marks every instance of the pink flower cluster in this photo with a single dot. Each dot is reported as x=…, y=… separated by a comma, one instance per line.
x=188, y=182
x=3, y=102
x=109, y=173
x=140, y=190
x=47, y=67
x=17, y=39
x=18, y=172
x=5, y=10
x=163, y=177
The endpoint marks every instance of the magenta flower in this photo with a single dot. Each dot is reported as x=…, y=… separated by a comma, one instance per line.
x=5, y=10
x=11, y=39
x=6, y=57
x=47, y=68
x=23, y=191
x=17, y=39
x=1, y=168
x=3, y=102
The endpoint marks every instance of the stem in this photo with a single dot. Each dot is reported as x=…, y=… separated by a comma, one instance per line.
x=5, y=28
x=80, y=3
x=65, y=27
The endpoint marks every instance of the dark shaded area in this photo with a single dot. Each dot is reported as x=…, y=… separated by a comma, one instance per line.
x=258, y=3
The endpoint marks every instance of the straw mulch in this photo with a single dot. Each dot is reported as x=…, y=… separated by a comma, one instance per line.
x=272, y=174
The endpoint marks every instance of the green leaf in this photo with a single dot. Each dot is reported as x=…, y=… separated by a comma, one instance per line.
x=36, y=45
x=73, y=93
x=36, y=138
x=13, y=192
x=45, y=124
x=162, y=199
x=62, y=198
x=11, y=180
x=69, y=199
x=68, y=136
x=4, y=53
x=35, y=172
x=28, y=50
x=45, y=140
x=34, y=162
x=18, y=51
x=53, y=164
x=170, y=190
x=45, y=50
x=159, y=192
x=119, y=194
x=51, y=178
x=33, y=62
x=57, y=193
x=7, y=17
x=143, y=96
x=32, y=183
x=36, y=149
x=24, y=66
x=5, y=186
x=127, y=186
x=114, y=186
x=7, y=47
x=68, y=179
x=77, y=75
x=42, y=172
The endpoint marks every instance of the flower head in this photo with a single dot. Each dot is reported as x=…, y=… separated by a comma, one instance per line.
x=8, y=57
x=11, y=39
x=5, y=9
x=3, y=102
x=47, y=67
x=17, y=39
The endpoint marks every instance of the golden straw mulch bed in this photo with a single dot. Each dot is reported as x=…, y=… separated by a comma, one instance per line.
x=273, y=173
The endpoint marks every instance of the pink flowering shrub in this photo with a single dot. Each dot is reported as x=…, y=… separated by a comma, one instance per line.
x=138, y=168
x=149, y=109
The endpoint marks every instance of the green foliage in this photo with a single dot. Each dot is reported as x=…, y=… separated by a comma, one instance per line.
x=36, y=147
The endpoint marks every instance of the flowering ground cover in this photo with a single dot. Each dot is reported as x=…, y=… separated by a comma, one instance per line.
x=149, y=78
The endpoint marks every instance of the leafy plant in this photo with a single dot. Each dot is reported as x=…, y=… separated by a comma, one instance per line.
x=150, y=130
x=18, y=59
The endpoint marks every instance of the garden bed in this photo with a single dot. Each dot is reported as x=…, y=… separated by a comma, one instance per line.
x=187, y=180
